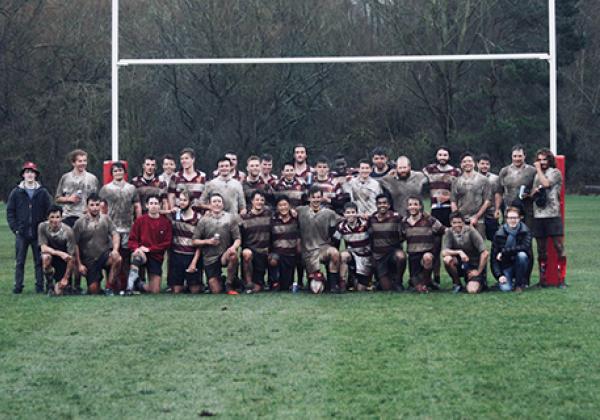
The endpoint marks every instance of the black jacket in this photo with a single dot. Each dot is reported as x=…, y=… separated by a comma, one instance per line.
x=508, y=254
x=24, y=214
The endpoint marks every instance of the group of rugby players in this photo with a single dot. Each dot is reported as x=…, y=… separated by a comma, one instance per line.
x=281, y=227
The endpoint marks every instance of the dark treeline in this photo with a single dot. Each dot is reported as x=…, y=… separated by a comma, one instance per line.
x=55, y=80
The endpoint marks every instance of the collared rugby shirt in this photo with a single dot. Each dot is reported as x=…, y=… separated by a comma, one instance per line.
x=356, y=238
x=183, y=231
x=385, y=234
x=294, y=191
x=440, y=183
x=146, y=187
x=284, y=236
x=256, y=230
x=195, y=186
x=420, y=236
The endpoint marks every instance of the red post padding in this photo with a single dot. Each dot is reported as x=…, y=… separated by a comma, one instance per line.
x=106, y=173
x=553, y=278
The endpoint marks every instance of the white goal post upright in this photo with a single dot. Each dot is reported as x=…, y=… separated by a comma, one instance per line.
x=116, y=63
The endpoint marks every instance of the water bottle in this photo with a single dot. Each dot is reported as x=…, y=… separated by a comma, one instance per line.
x=178, y=215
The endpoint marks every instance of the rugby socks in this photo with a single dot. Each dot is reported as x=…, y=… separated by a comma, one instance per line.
x=542, y=264
x=562, y=269
x=133, y=276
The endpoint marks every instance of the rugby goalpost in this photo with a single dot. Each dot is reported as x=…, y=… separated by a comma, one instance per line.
x=117, y=63
x=549, y=56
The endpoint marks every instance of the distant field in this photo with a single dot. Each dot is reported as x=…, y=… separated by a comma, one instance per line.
x=531, y=355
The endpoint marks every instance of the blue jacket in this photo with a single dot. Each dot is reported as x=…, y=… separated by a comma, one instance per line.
x=24, y=214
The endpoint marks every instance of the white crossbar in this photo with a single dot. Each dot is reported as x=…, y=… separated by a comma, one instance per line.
x=333, y=60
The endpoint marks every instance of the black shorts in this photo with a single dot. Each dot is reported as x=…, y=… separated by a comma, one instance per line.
x=94, y=270
x=543, y=228
x=464, y=268
x=442, y=214
x=384, y=265
x=414, y=263
x=178, y=263
x=259, y=267
x=213, y=270
x=286, y=265
x=60, y=267
x=491, y=226
x=153, y=266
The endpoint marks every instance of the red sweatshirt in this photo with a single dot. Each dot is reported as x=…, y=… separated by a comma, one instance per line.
x=154, y=234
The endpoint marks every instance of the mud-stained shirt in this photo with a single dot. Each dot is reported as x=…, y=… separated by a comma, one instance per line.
x=363, y=193
x=62, y=239
x=495, y=188
x=552, y=207
x=121, y=198
x=511, y=179
x=402, y=188
x=226, y=225
x=470, y=192
x=93, y=236
x=230, y=189
x=82, y=185
x=468, y=240
x=316, y=226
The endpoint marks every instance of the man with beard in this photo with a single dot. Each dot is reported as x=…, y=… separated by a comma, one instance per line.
x=379, y=158
x=218, y=236
x=386, y=245
x=441, y=176
x=516, y=181
x=187, y=178
x=403, y=184
x=420, y=230
x=301, y=167
x=255, y=182
x=316, y=228
x=150, y=237
x=290, y=186
x=363, y=189
x=229, y=188
x=547, y=222
x=464, y=253
x=184, y=257
x=123, y=203
x=491, y=223
x=266, y=169
x=97, y=246
x=26, y=208
x=255, y=229
x=356, y=260
x=234, y=173
x=57, y=243
x=148, y=183
x=471, y=193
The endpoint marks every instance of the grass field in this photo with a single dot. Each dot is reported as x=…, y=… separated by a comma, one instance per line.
x=529, y=355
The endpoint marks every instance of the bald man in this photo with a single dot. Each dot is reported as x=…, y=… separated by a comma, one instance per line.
x=403, y=184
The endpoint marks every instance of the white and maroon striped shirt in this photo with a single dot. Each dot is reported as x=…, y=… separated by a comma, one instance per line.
x=357, y=238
